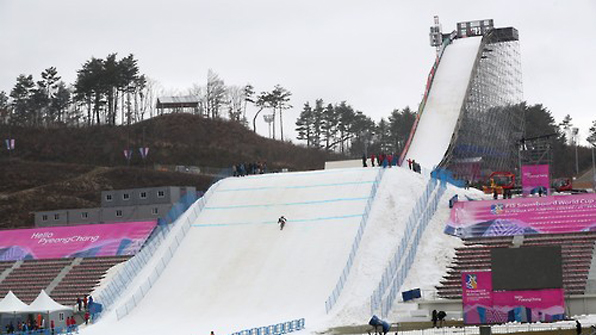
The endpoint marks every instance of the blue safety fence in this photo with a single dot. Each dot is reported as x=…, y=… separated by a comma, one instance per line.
x=154, y=248
x=332, y=299
x=276, y=329
x=448, y=177
x=397, y=270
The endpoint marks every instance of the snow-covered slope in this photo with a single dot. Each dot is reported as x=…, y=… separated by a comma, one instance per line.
x=445, y=99
x=236, y=270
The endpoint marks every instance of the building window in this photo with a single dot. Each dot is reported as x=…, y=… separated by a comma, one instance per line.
x=143, y=195
x=125, y=196
x=44, y=218
x=119, y=213
x=84, y=215
x=154, y=211
x=161, y=194
x=56, y=217
x=108, y=197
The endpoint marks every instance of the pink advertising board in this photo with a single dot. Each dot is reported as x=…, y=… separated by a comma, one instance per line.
x=545, y=215
x=91, y=240
x=482, y=305
x=477, y=289
x=535, y=179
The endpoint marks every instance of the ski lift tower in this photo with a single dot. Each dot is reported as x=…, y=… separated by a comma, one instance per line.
x=436, y=35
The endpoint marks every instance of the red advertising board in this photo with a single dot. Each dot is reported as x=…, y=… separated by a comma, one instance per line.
x=74, y=241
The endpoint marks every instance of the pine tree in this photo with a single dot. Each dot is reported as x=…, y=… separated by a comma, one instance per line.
x=304, y=125
x=21, y=95
x=4, y=111
x=328, y=126
x=592, y=134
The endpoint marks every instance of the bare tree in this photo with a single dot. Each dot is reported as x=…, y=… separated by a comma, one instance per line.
x=235, y=100
x=214, y=94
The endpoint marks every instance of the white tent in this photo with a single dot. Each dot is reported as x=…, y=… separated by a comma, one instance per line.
x=50, y=308
x=10, y=308
x=11, y=304
x=43, y=303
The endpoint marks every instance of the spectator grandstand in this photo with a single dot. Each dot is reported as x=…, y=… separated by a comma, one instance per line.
x=577, y=250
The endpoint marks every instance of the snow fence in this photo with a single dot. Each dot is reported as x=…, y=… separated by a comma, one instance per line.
x=332, y=299
x=397, y=270
x=153, y=249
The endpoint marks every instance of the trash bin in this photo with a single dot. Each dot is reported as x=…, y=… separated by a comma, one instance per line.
x=485, y=330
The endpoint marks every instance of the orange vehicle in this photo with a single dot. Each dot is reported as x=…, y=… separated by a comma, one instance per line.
x=499, y=180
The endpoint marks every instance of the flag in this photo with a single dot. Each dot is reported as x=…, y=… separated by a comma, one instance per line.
x=144, y=152
x=128, y=154
x=9, y=143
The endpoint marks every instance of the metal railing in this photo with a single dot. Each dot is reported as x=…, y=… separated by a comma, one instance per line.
x=507, y=328
x=397, y=270
x=276, y=329
x=332, y=299
x=127, y=273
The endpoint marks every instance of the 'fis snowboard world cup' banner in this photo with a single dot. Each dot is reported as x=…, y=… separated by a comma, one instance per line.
x=482, y=305
x=535, y=179
x=545, y=215
x=90, y=240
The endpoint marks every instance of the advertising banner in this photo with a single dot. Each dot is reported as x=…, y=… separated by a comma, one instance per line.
x=546, y=215
x=545, y=305
x=476, y=295
x=74, y=241
x=482, y=305
x=535, y=179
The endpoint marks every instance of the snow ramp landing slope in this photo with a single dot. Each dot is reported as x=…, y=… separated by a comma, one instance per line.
x=444, y=103
x=235, y=269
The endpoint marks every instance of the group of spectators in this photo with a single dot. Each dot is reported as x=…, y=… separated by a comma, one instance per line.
x=438, y=317
x=381, y=160
x=31, y=325
x=84, y=305
x=244, y=169
x=388, y=160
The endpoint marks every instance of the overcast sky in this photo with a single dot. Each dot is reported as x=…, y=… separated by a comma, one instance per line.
x=373, y=54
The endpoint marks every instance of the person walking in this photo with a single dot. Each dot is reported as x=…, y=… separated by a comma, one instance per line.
x=372, y=160
x=87, y=317
x=363, y=160
x=79, y=303
x=578, y=327
x=434, y=318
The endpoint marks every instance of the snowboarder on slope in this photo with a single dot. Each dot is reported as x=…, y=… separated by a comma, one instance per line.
x=282, y=222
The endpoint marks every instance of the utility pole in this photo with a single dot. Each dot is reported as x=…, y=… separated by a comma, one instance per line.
x=574, y=133
x=593, y=143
